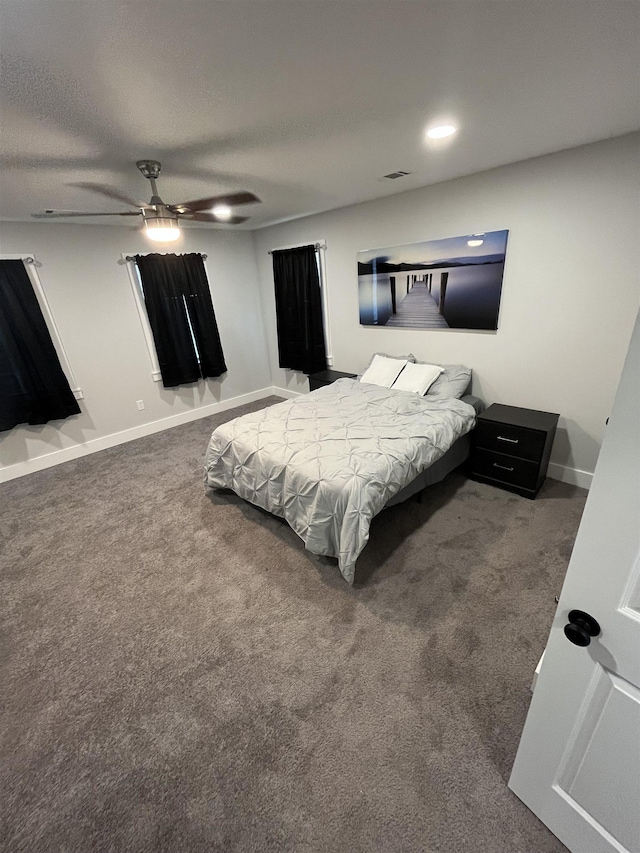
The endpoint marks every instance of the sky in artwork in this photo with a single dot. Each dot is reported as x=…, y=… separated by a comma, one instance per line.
x=432, y=251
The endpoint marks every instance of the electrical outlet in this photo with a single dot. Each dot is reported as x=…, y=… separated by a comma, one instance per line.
x=140, y=404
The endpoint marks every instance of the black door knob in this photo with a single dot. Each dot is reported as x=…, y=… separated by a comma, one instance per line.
x=581, y=628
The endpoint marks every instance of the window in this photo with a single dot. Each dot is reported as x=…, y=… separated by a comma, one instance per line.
x=322, y=275
x=35, y=376
x=299, y=299
x=176, y=313
x=138, y=297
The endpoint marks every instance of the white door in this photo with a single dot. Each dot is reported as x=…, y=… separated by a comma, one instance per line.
x=578, y=763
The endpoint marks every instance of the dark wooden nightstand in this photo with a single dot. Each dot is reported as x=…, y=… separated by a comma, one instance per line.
x=511, y=448
x=326, y=377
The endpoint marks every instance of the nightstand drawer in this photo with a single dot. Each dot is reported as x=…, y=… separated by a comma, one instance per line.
x=506, y=469
x=514, y=440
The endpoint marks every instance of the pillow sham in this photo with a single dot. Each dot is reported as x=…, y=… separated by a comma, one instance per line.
x=417, y=377
x=455, y=381
x=383, y=371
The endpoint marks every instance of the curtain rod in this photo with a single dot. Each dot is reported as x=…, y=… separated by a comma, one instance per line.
x=133, y=257
x=316, y=246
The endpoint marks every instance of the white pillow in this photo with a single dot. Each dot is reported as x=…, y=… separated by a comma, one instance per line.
x=409, y=357
x=383, y=371
x=417, y=378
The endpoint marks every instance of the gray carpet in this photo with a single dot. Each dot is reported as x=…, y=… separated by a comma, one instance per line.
x=178, y=674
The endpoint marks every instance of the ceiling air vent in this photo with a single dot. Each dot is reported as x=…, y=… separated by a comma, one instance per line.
x=395, y=175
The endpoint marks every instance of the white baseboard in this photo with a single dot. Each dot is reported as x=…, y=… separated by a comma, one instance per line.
x=287, y=393
x=573, y=476
x=48, y=460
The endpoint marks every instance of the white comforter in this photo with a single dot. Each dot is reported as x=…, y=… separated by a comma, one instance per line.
x=330, y=460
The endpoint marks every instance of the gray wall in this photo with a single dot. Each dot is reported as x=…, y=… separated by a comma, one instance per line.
x=90, y=296
x=570, y=294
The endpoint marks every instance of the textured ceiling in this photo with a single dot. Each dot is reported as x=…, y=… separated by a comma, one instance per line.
x=307, y=104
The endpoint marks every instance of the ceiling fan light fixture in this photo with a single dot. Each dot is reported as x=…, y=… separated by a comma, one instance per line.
x=161, y=229
x=162, y=235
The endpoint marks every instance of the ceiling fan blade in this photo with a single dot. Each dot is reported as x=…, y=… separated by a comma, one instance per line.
x=52, y=214
x=209, y=217
x=231, y=200
x=109, y=192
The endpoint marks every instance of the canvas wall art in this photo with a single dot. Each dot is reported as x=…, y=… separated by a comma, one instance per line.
x=454, y=283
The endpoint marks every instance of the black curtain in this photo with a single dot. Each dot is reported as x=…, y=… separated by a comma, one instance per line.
x=299, y=310
x=176, y=291
x=33, y=388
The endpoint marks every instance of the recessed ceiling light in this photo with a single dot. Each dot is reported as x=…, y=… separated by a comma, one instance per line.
x=222, y=211
x=476, y=240
x=441, y=131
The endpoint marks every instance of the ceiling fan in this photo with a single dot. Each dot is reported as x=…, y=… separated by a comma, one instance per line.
x=160, y=219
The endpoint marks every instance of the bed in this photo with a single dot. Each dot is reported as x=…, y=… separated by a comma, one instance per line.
x=331, y=460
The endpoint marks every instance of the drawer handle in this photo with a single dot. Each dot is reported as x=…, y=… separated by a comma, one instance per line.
x=510, y=440
x=504, y=467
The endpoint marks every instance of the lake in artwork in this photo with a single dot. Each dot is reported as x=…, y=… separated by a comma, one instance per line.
x=454, y=283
